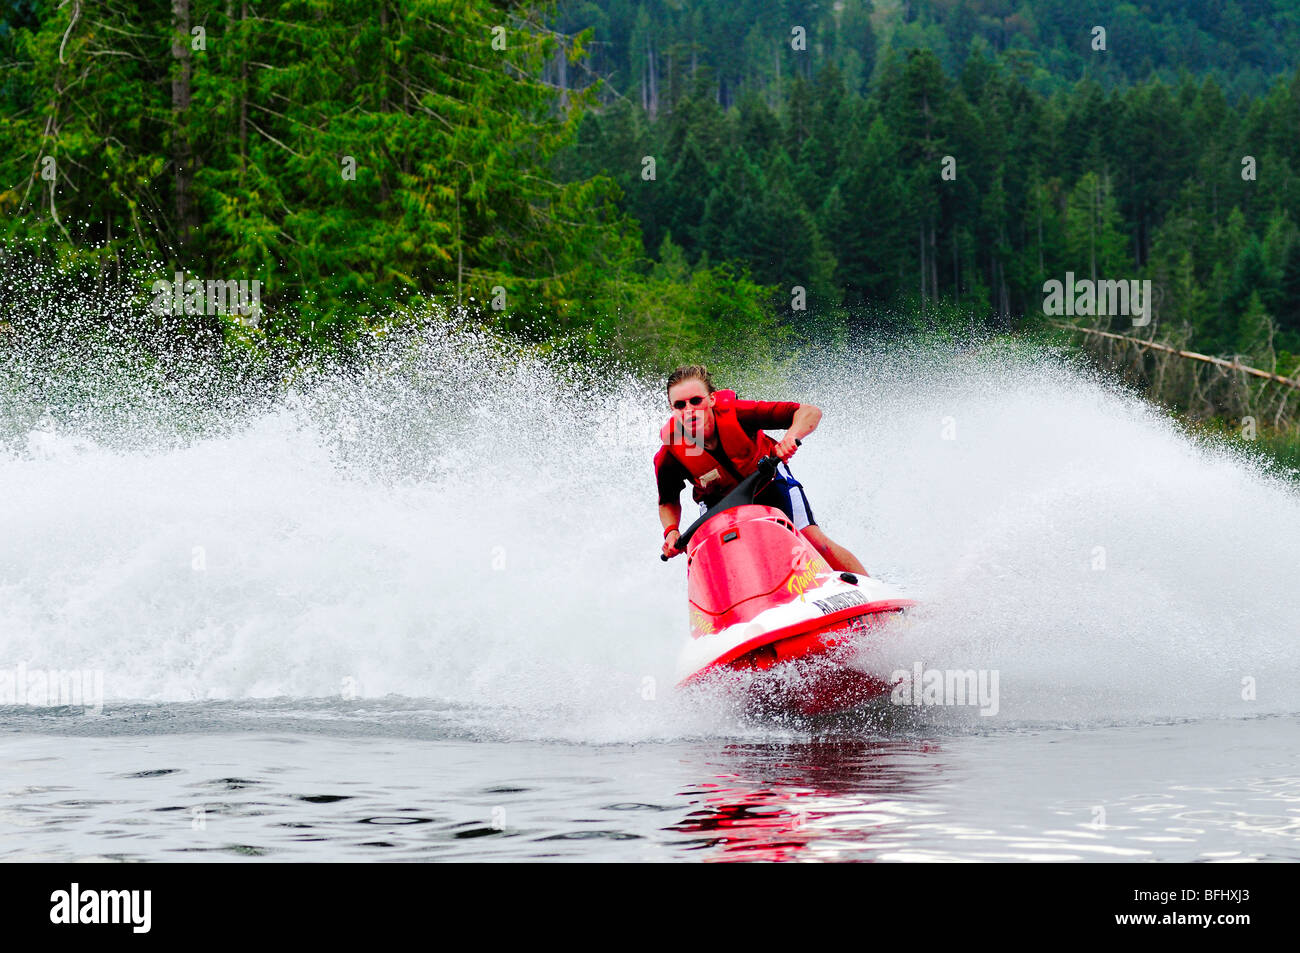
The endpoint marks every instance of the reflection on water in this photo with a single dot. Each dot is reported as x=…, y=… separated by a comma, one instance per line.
x=808, y=800
x=1214, y=790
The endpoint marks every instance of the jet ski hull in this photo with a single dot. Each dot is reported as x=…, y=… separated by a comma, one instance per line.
x=769, y=615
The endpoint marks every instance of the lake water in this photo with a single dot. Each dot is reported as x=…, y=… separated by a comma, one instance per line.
x=296, y=783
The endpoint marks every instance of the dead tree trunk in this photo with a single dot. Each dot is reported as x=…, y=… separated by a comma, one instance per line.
x=182, y=151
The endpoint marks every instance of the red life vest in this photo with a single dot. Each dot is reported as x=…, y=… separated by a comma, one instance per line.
x=744, y=452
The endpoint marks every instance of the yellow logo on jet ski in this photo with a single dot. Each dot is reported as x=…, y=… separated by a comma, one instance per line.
x=804, y=578
x=701, y=623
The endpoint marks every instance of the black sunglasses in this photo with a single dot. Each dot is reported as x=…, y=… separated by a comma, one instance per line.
x=695, y=402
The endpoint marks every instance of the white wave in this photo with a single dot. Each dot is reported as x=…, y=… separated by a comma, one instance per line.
x=477, y=526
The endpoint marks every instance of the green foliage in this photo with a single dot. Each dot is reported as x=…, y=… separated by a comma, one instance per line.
x=951, y=180
x=683, y=314
x=509, y=175
x=1242, y=42
x=347, y=155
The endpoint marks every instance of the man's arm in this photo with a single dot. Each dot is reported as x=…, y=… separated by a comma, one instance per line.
x=670, y=515
x=669, y=475
x=805, y=421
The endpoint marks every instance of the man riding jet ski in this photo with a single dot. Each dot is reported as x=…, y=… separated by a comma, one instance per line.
x=714, y=440
x=769, y=595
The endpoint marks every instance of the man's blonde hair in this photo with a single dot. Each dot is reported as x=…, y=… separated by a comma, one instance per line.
x=688, y=372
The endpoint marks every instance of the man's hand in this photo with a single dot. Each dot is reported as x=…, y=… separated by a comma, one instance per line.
x=786, y=448
x=670, y=542
x=805, y=421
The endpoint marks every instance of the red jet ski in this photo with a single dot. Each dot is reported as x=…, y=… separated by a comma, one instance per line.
x=770, y=616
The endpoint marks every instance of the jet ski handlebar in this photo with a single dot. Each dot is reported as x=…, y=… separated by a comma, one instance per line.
x=741, y=495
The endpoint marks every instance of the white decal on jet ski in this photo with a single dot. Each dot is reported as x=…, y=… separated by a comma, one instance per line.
x=841, y=600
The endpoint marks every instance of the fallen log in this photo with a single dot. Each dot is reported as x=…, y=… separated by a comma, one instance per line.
x=1291, y=382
